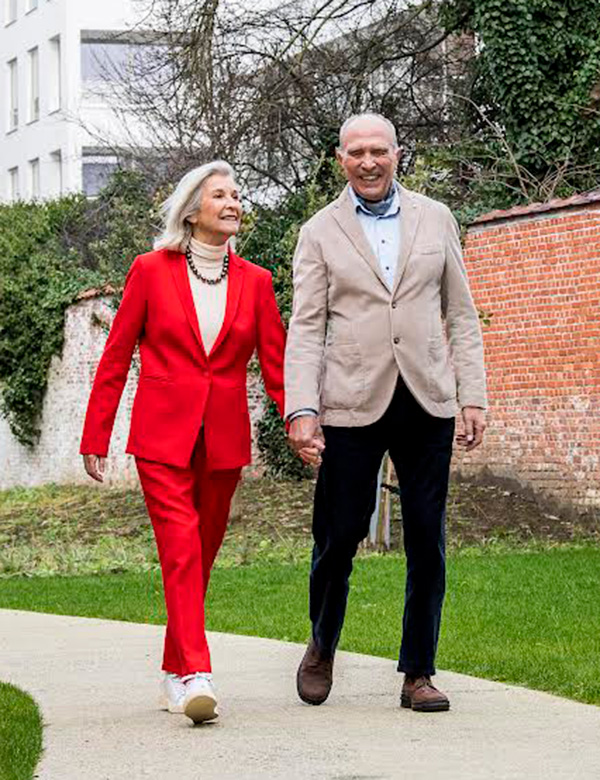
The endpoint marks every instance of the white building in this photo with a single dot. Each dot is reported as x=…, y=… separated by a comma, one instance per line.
x=54, y=54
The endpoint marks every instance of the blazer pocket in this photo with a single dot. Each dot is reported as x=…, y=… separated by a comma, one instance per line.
x=155, y=378
x=343, y=380
x=441, y=378
x=427, y=249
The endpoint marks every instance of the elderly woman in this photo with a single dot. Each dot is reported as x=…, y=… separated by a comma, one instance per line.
x=198, y=312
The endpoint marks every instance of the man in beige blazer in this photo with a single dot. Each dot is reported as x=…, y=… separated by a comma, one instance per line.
x=384, y=347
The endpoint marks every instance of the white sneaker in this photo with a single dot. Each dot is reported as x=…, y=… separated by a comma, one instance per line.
x=200, y=701
x=172, y=693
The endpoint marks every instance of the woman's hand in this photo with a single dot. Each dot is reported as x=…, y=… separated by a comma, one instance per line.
x=312, y=455
x=95, y=466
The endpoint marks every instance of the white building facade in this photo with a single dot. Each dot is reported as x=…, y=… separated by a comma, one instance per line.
x=54, y=122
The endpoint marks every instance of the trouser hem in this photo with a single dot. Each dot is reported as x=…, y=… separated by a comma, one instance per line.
x=416, y=671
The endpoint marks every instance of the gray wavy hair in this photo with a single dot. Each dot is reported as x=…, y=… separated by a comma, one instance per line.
x=184, y=202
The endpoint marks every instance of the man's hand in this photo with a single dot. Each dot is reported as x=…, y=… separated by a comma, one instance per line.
x=306, y=438
x=95, y=466
x=474, y=424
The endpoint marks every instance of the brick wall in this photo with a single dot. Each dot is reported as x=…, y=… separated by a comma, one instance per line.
x=56, y=457
x=537, y=270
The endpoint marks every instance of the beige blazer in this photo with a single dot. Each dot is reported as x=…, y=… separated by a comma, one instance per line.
x=350, y=335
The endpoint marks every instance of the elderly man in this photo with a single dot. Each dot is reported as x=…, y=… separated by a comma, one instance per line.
x=384, y=346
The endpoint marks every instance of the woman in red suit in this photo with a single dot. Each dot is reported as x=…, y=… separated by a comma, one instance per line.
x=198, y=313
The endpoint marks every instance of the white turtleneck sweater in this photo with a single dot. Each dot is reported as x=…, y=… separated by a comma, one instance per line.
x=209, y=299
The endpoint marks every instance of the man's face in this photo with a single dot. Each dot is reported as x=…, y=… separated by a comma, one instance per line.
x=369, y=158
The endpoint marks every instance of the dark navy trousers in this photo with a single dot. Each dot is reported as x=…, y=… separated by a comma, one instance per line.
x=420, y=447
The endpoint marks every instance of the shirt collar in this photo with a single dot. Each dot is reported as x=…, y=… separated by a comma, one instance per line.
x=392, y=211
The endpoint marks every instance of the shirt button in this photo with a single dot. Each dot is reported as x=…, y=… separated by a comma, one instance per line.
x=396, y=340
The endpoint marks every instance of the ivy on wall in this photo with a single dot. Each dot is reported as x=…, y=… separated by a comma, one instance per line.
x=49, y=252
x=534, y=102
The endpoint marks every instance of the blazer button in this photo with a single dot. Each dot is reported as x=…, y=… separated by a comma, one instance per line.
x=396, y=340
x=394, y=305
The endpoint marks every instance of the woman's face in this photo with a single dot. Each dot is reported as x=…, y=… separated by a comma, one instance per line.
x=220, y=212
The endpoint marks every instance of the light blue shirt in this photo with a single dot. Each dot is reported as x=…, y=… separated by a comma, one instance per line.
x=383, y=234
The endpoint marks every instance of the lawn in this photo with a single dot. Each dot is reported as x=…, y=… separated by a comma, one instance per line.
x=84, y=529
x=523, y=603
x=525, y=617
x=20, y=734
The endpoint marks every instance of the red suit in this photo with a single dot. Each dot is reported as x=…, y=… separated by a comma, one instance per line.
x=190, y=428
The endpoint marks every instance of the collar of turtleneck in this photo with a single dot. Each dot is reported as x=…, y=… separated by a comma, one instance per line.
x=207, y=254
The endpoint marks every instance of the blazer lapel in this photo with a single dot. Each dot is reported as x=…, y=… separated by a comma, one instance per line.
x=410, y=214
x=345, y=215
x=235, y=283
x=182, y=283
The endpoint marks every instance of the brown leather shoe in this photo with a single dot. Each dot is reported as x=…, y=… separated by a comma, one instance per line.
x=315, y=675
x=420, y=694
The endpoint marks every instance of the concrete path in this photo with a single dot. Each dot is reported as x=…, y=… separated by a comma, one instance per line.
x=96, y=682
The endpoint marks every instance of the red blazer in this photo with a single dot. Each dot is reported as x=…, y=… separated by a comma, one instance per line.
x=181, y=387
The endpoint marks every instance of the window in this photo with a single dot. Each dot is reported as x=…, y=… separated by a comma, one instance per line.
x=11, y=11
x=13, y=183
x=56, y=173
x=54, y=75
x=31, y=5
x=104, y=61
x=34, y=179
x=13, y=95
x=96, y=171
x=34, y=85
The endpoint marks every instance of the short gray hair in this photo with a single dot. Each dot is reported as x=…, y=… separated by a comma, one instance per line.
x=184, y=202
x=367, y=115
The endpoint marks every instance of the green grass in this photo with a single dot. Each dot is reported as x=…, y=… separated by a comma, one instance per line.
x=20, y=734
x=531, y=618
x=82, y=529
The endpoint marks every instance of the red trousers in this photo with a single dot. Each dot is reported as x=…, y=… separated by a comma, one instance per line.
x=189, y=509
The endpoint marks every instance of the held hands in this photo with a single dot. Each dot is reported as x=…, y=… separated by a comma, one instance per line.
x=95, y=466
x=474, y=426
x=306, y=439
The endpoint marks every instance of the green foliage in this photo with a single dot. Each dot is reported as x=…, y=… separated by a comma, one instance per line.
x=49, y=252
x=269, y=238
x=534, y=106
x=468, y=177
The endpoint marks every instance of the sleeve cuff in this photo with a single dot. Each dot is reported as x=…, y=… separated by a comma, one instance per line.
x=302, y=413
